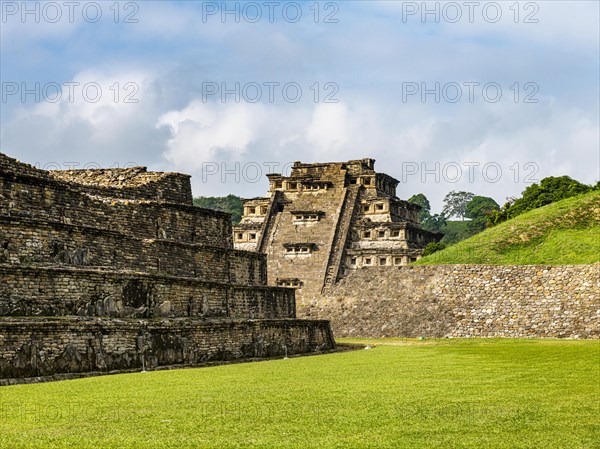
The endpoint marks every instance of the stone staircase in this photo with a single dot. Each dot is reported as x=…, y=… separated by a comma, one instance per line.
x=338, y=244
x=265, y=237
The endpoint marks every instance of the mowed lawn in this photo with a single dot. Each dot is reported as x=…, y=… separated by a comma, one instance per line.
x=478, y=393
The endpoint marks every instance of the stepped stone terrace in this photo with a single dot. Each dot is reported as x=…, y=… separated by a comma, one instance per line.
x=116, y=270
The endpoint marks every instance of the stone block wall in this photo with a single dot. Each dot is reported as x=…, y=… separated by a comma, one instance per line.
x=247, y=269
x=327, y=219
x=47, y=346
x=29, y=241
x=30, y=197
x=113, y=270
x=523, y=301
x=53, y=291
x=132, y=183
x=13, y=166
x=309, y=267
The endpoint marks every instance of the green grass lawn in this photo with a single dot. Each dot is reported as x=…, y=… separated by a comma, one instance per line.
x=565, y=232
x=476, y=393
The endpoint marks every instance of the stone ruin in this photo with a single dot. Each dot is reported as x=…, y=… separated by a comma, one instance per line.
x=327, y=220
x=339, y=235
x=115, y=270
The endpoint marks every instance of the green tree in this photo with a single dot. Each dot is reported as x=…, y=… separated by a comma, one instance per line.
x=421, y=200
x=230, y=203
x=455, y=204
x=434, y=223
x=478, y=210
x=550, y=190
x=455, y=231
x=433, y=247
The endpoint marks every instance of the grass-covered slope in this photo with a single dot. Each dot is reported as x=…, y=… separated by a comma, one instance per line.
x=478, y=393
x=565, y=232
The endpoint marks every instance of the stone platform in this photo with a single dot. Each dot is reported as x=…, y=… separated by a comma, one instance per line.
x=42, y=347
x=115, y=270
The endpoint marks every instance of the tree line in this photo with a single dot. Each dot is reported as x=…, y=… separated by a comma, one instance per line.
x=483, y=212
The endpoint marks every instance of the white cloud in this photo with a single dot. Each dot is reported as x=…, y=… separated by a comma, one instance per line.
x=211, y=132
x=329, y=128
x=550, y=138
x=170, y=52
x=102, y=120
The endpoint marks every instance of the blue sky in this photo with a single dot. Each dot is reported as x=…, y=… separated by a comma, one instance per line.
x=365, y=59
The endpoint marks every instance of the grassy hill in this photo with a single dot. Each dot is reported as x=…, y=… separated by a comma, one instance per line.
x=565, y=232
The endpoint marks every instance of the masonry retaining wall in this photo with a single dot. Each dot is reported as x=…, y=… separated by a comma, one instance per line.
x=31, y=347
x=560, y=301
x=35, y=241
x=55, y=291
x=29, y=197
x=130, y=183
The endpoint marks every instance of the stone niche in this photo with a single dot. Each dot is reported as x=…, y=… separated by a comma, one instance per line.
x=324, y=216
x=302, y=250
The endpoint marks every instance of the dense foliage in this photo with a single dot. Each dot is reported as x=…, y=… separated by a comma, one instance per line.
x=478, y=210
x=455, y=231
x=421, y=200
x=432, y=223
x=564, y=232
x=549, y=190
x=433, y=247
x=230, y=203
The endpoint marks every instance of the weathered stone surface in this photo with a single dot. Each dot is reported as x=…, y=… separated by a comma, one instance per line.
x=41, y=242
x=32, y=347
x=338, y=234
x=326, y=220
x=61, y=291
x=561, y=301
x=28, y=193
x=108, y=270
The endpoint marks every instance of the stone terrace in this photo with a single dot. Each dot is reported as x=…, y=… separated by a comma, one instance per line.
x=104, y=270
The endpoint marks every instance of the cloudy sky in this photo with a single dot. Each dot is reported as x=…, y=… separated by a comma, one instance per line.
x=485, y=96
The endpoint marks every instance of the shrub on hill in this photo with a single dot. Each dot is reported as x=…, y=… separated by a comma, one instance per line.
x=478, y=210
x=549, y=191
x=433, y=247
